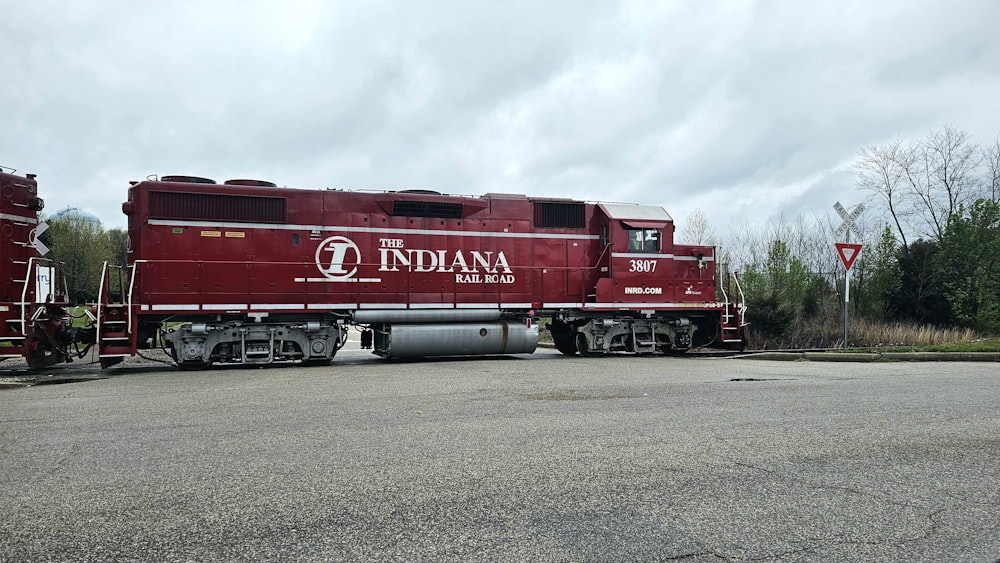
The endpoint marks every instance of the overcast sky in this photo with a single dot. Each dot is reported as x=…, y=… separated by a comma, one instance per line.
x=741, y=109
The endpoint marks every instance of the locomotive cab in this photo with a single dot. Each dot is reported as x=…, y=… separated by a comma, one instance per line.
x=636, y=257
x=650, y=295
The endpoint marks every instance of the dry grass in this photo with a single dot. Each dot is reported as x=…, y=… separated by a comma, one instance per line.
x=871, y=333
x=828, y=332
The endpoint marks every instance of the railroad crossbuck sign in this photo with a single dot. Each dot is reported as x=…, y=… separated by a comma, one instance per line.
x=849, y=226
x=848, y=253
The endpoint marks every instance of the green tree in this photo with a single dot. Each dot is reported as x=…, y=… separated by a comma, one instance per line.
x=118, y=241
x=778, y=291
x=882, y=278
x=919, y=295
x=970, y=265
x=82, y=245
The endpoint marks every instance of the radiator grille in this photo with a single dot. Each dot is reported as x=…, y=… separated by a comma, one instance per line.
x=216, y=207
x=558, y=215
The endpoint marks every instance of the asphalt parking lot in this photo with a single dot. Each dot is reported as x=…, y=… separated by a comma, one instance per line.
x=523, y=458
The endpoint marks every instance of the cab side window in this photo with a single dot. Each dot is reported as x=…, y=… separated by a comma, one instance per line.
x=652, y=240
x=634, y=240
x=644, y=240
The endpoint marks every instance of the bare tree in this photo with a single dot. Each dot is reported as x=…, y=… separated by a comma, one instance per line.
x=810, y=242
x=822, y=257
x=925, y=184
x=991, y=156
x=697, y=229
x=882, y=170
x=942, y=177
x=744, y=244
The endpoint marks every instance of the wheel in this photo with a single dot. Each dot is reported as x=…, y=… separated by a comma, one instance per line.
x=564, y=343
x=582, y=347
x=562, y=337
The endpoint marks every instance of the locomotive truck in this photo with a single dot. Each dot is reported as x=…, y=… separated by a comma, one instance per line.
x=246, y=272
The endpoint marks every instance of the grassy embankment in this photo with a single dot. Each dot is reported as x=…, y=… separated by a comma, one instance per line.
x=864, y=335
x=867, y=335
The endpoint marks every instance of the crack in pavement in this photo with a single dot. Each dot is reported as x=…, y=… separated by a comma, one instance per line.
x=932, y=527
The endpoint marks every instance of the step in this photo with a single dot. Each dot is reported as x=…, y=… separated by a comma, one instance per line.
x=114, y=336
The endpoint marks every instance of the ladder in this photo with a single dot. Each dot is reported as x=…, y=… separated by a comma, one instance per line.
x=115, y=335
x=734, y=315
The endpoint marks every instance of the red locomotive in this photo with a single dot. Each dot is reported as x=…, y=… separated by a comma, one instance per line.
x=246, y=272
x=34, y=324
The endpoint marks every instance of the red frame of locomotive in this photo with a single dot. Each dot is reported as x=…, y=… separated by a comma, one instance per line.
x=248, y=272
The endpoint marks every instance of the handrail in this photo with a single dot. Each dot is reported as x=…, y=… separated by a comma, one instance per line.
x=742, y=305
x=100, y=300
x=24, y=296
x=131, y=288
x=601, y=257
x=31, y=276
x=725, y=301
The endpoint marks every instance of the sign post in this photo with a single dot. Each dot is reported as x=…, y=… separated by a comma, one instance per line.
x=848, y=251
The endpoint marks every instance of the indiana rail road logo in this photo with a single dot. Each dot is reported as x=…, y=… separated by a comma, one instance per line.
x=337, y=258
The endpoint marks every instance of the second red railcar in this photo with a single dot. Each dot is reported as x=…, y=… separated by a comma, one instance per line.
x=34, y=324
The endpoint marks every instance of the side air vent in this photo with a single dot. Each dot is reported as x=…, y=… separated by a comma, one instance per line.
x=216, y=207
x=427, y=209
x=559, y=215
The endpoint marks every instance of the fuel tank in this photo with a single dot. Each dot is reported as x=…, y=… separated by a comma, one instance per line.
x=456, y=339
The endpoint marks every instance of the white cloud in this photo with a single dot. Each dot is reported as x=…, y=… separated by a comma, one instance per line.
x=743, y=109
